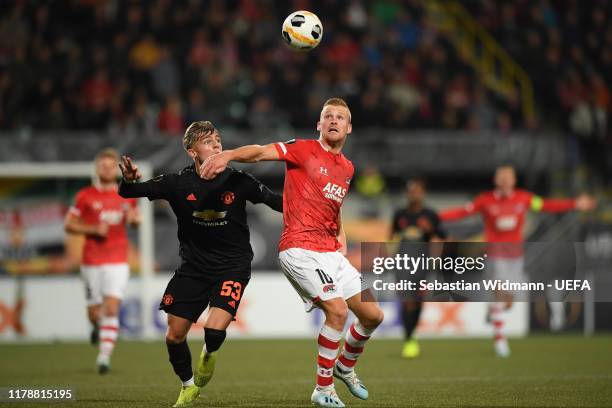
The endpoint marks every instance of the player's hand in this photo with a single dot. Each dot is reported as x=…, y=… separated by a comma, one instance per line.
x=132, y=217
x=214, y=165
x=585, y=202
x=101, y=230
x=129, y=170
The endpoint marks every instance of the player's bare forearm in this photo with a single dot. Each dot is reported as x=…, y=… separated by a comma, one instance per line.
x=217, y=163
x=253, y=153
x=74, y=225
x=77, y=227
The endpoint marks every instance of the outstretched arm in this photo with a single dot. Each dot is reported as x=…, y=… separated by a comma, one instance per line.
x=270, y=198
x=258, y=192
x=130, y=187
x=457, y=213
x=275, y=201
x=215, y=164
x=583, y=202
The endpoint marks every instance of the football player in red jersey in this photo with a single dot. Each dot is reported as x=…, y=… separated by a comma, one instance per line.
x=101, y=215
x=313, y=244
x=503, y=211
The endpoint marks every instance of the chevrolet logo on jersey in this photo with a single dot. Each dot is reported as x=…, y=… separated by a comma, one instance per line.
x=209, y=215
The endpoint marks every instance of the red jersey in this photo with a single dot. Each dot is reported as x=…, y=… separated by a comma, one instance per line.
x=316, y=182
x=94, y=206
x=504, y=216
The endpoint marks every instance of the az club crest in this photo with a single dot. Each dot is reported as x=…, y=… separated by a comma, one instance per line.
x=331, y=288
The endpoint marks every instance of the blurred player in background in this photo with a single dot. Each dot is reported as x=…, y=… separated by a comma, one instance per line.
x=101, y=215
x=313, y=243
x=414, y=223
x=503, y=211
x=215, y=250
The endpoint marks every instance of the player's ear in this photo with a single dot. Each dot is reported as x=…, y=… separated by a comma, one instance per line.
x=192, y=153
x=318, y=126
x=349, y=129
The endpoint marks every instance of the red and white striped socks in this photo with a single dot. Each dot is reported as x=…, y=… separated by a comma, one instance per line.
x=329, y=342
x=497, y=320
x=109, y=330
x=356, y=337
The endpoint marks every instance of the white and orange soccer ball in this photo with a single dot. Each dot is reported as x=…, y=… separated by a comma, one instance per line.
x=302, y=30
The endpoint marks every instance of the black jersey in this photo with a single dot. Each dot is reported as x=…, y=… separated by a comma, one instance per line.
x=211, y=215
x=417, y=226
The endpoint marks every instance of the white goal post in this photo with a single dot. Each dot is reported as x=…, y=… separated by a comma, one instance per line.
x=85, y=170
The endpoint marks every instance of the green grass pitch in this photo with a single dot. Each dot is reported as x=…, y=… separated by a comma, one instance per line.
x=544, y=371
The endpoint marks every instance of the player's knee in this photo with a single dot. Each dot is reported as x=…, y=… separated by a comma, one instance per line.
x=213, y=338
x=175, y=336
x=374, y=319
x=338, y=313
x=111, y=310
x=111, y=307
x=93, y=315
x=379, y=317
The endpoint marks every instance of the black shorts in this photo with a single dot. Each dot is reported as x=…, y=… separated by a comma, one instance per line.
x=187, y=296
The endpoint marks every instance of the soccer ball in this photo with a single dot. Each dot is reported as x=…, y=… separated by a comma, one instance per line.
x=302, y=30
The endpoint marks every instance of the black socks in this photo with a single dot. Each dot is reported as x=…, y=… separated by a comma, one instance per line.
x=214, y=339
x=180, y=358
x=410, y=318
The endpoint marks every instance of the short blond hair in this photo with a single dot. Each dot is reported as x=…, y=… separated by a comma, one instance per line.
x=337, y=102
x=107, y=152
x=505, y=166
x=196, y=131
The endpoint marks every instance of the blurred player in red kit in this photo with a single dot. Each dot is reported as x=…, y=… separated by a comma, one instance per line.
x=101, y=215
x=503, y=211
x=313, y=244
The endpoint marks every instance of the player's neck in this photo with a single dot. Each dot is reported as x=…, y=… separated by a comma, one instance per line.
x=334, y=148
x=106, y=186
x=197, y=163
x=504, y=192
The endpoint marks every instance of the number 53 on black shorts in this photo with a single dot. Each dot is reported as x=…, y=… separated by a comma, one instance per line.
x=187, y=297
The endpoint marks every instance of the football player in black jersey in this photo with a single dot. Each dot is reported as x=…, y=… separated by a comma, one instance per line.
x=414, y=223
x=214, y=248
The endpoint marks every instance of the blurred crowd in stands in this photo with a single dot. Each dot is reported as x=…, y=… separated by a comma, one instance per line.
x=566, y=47
x=147, y=65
